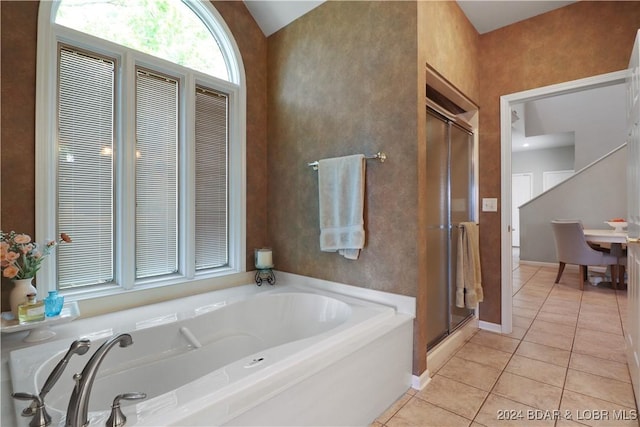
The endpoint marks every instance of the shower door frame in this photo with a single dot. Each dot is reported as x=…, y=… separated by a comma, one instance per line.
x=471, y=210
x=450, y=122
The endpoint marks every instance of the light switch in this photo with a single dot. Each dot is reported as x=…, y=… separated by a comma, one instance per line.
x=489, y=205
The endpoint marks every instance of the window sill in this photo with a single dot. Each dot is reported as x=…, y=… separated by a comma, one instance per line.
x=107, y=299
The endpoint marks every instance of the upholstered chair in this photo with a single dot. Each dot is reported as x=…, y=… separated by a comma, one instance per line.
x=572, y=248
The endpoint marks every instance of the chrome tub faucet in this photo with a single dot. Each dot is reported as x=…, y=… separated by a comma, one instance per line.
x=78, y=409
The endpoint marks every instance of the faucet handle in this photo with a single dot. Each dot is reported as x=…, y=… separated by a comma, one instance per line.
x=117, y=418
x=40, y=416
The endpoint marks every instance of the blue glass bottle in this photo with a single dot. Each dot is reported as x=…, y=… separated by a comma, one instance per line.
x=53, y=304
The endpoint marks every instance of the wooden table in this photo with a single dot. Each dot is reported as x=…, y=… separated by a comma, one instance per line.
x=616, y=240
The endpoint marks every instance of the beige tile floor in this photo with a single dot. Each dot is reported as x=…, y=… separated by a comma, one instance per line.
x=563, y=364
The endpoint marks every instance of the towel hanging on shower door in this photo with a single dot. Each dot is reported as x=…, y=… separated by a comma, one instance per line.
x=468, y=274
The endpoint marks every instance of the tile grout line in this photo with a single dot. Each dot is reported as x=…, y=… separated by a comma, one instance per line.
x=520, y=342
x=582, y=304
x=589, y=355
x=512, y=354
x=566, y=372
x=625, y=341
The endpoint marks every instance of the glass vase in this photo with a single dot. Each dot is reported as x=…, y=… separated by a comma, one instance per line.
x=53, y=304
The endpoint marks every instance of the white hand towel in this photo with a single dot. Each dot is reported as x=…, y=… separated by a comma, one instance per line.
x=341, y=193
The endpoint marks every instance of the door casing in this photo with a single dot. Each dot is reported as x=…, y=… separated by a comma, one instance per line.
x=515, y=239
x=506, y=103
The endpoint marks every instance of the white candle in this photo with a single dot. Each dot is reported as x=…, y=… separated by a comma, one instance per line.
x=264, y=258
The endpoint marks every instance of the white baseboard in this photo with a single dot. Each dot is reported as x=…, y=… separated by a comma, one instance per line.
x=554, y=265
x=491, y=327
x=545, y=264
x=420, y=382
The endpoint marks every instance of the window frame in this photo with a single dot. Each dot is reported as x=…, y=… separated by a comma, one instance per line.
x=49, y=36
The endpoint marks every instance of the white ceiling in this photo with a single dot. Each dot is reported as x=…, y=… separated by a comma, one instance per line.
x=272, y=15
x=490, y=15
x=560, y=120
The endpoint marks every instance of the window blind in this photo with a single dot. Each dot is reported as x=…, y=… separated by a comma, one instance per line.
x=156, y=175
x=85, y=167
x=211, y=203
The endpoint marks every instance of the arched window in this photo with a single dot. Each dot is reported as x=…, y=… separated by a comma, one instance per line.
x=167, y=29
x=140, y=140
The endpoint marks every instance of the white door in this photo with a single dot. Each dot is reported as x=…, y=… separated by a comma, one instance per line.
x=553, y=178
x=521, y=192
x=632, y=327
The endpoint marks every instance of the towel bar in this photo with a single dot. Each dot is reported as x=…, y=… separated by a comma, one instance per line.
x=380, y=155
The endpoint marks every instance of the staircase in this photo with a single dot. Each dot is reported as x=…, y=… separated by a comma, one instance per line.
x=593, y=194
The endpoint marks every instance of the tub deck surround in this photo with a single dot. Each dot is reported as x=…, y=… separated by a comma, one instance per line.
x=401, y=303
x=238, y=354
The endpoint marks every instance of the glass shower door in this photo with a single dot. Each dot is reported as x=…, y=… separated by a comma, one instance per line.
x=437, y=229
x=449, y=188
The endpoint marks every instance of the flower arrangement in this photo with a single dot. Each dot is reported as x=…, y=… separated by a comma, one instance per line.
x=20, y=258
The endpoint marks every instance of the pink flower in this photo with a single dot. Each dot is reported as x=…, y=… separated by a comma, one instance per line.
x=22, y=239
x=12, y=256
x=10, y=271
x=20, y=257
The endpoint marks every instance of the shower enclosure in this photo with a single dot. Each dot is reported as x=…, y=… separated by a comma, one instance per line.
x=450, y=190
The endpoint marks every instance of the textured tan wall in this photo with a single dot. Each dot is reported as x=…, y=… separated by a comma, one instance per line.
x=253, y=47
x=342, y=80
x=17, y=127
x=19, y=21
x=580, y=40
x=18, y=31
x=450, y=43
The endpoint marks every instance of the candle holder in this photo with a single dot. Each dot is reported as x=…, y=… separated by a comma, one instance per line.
x=265, y=274
x=264, y=266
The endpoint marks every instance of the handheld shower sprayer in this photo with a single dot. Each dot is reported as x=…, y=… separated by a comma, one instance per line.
x=79, y=347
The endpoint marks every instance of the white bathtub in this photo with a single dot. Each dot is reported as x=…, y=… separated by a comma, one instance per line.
x=287, y=355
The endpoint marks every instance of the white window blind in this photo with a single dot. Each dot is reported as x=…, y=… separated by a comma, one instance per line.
x=211, y=179
x=85, y=167
x=156, y=175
